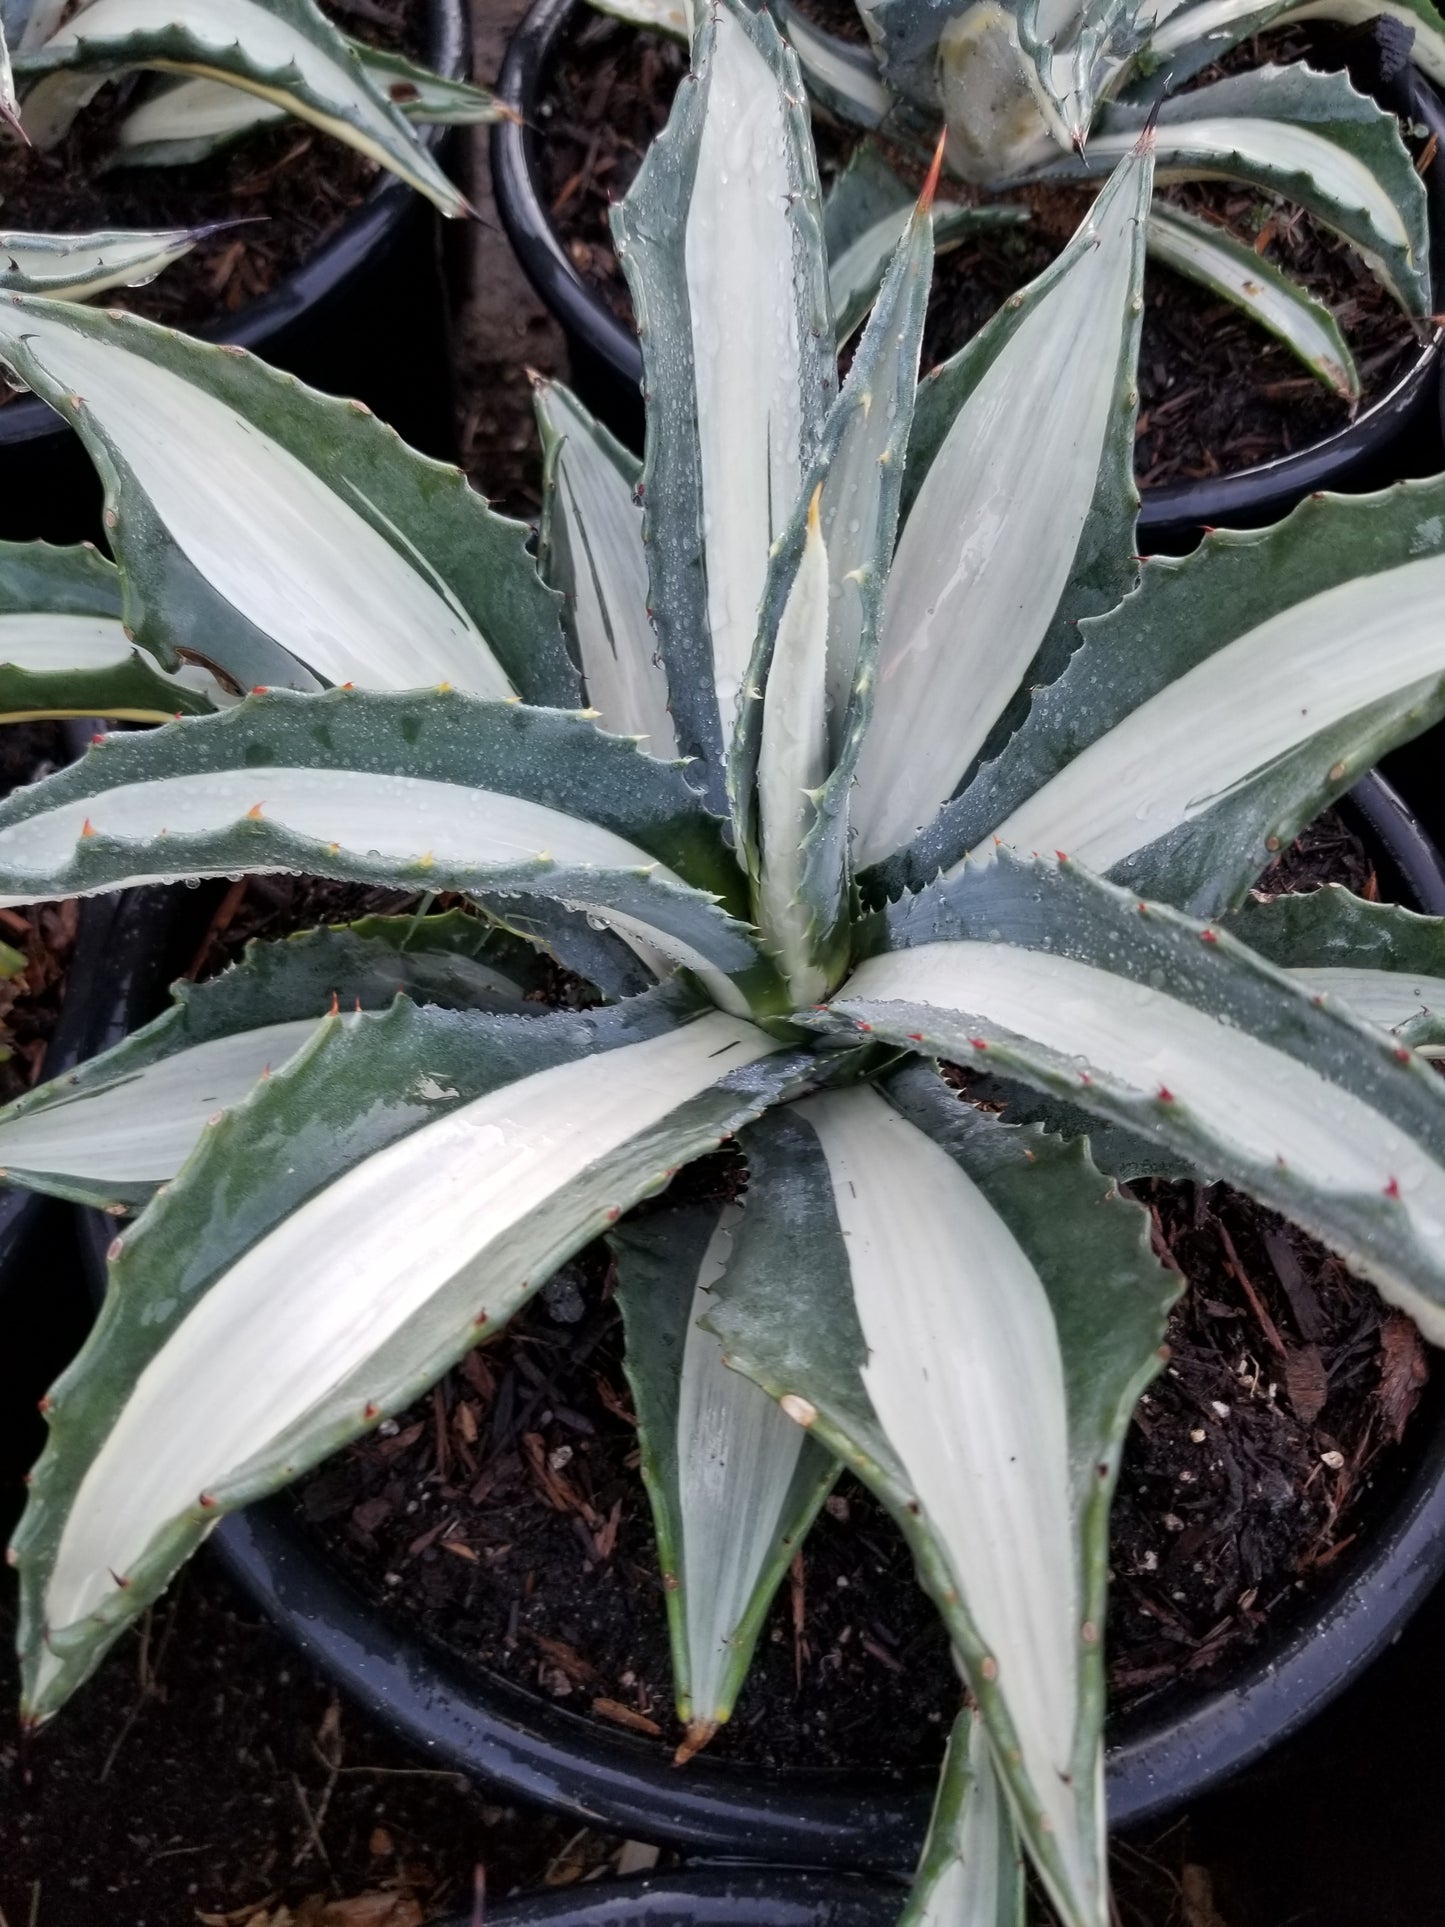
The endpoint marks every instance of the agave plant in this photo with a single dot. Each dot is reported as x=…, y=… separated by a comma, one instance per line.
x=242, y=64
x=1039, y=93
x=893, y=653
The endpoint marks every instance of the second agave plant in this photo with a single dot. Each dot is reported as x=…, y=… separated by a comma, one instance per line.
x=894, y=756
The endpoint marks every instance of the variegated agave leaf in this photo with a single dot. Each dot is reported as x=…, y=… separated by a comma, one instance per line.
x=1306, y=135
x=110, y=1131
x=189, y=120
x=971, y=1869
x=970, y=1316
x=64, y=650
x=1240, y=691
x=71, y=267
x=1039, y=971
x=440, y=791
x=842, y=76
x=733, y=1483
x=9, y=103
x=810, y=688
x=1386, y=963
x=1034, y=418
x=283, y=51
x=1228, y=268
x=410, y=1179
x=1193, y=37
x=280, y=536
x=591, y=551
x=720, y=237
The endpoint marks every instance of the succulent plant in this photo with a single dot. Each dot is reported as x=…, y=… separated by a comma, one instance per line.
x=1030, y=93
x=893, y=653
x=242, y=64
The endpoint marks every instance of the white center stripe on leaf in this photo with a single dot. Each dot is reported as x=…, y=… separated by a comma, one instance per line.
x=972, y=590
x=965, y=1374
x=323, y=1292
x=270, y=42
x=746, y=352
x=1276, y=144
x=737, y=1452
x=50, y=640
x=141, y=1129
x=1259, y=1101
x=1238, y=711
x=395, y=818
x=266, y=533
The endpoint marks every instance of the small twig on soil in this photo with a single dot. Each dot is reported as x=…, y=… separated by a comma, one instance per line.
x=1256, y=1303
x=320, y=1845
x=800, y=1605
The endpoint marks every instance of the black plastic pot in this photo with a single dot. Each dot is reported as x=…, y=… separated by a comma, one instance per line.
x=365, y=316
x=493, y=1730
x=709, y=1897
x=1398, y=435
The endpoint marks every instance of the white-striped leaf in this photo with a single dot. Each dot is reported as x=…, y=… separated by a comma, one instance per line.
x=720, y=238
x=71, y=267
x=441, y=792
x=408, y=1180
x=284, y=51
x=1030, y=426
x=280, y=535
x=64, y=650
x=1193, y=36
x=121, y=1123
x=1386, y=963
x=971, y=1873
x=733, y=1483
x=188, y=120
x=1227, y=267
x=9, y=103
x=672, y=17
x=806, y=709
x=1221, y=707
x=1306, y=135
x=1042, y=972
x=841, y=75
x=970, y=1316
x=793, y=762
x=591, y=552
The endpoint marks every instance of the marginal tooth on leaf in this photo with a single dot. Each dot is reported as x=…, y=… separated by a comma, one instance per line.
x=1392, y=1189
x=206, y=1502
x=989, y=1667
x=801, y=1411
x=1166, y=1096
x=426, y=861
x=87, y=828
x=253, y=815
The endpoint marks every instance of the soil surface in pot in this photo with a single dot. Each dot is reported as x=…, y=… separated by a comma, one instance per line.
x=1216, y=393
x=38, y=937
x=504, y=1516
x=291, y=185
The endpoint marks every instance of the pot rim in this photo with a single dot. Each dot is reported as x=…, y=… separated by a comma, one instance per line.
x=1262, y=492
x=387, y=205
x=490, y=1728
x=709, y=1897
